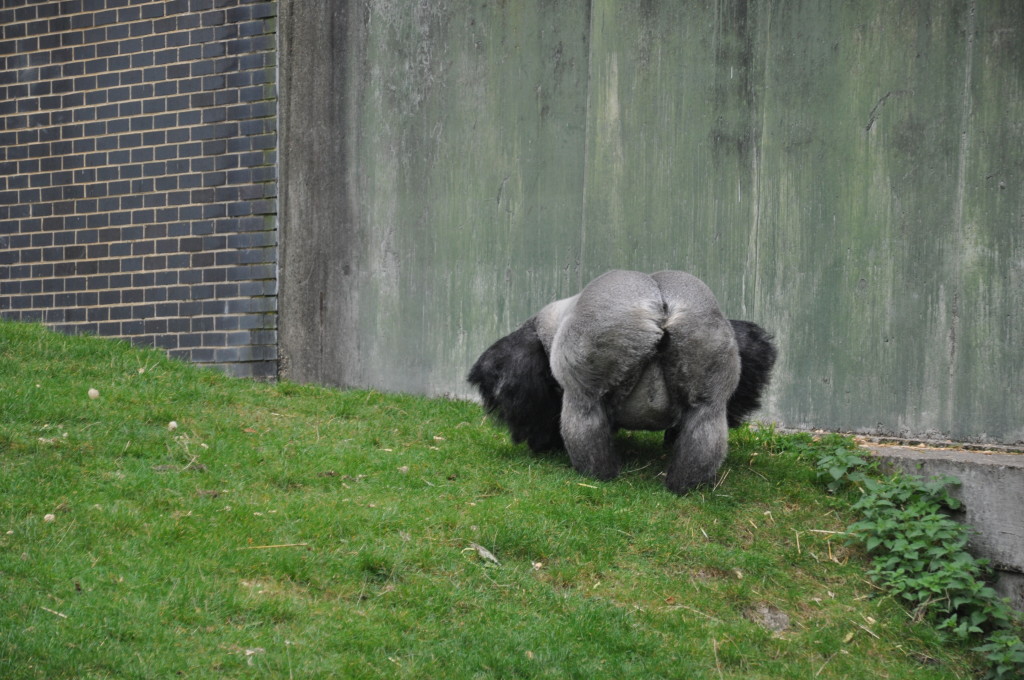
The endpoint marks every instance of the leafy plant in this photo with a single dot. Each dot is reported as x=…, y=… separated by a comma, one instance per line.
x=919, y=554
x=1005, y=653
x=843, y=465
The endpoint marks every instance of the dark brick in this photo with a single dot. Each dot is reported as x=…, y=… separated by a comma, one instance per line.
x=137, y=170
x=133, y=328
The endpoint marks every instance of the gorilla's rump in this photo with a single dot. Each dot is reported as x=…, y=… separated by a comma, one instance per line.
x=647, y=347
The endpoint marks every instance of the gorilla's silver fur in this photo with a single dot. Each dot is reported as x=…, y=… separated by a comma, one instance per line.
x=631, y=351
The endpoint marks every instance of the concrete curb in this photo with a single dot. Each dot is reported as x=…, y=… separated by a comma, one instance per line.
x=992, y=491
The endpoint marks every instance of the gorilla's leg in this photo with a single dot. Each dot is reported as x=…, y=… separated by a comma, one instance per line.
x=672, y=436
x=587, y=434
x=699, y=450
x=701, y=365
x=603, y=345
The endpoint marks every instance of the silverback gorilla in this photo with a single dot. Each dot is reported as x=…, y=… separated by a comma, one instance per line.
x=631, y=351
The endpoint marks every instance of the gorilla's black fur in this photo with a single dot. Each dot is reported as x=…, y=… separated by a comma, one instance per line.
x=518, y=388
x=631, y=351
x=757, y=358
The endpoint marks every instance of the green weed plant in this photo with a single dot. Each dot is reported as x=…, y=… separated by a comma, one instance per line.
x=919, y=554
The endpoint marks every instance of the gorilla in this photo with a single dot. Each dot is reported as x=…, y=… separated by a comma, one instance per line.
x=631, y=351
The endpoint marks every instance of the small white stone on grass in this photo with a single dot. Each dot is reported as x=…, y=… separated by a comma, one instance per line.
x=94, y=393
x=173, y=425
x=49, y=517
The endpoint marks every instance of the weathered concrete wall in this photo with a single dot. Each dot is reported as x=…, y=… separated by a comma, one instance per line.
x=435, y=161
x=850, y=175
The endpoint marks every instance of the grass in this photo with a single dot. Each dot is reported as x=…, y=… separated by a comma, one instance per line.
x=288, y=531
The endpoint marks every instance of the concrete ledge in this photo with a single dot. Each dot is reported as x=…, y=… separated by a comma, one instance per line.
x=992, y=491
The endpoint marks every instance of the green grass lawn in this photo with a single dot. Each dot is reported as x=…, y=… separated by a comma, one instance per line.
x=287, y=531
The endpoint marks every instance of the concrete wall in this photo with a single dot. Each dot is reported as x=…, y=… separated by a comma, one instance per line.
x=138, y=177
x=850, y=175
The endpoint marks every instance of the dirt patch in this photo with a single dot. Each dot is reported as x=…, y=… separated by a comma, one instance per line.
x=769, y=617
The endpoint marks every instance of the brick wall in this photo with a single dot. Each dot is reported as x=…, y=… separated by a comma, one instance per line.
x=138, y=174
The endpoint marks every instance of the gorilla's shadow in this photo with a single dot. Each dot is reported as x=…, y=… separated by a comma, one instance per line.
x=643, y=455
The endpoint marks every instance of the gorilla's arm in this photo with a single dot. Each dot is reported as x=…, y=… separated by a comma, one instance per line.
x=515, y=382
x=757, y=358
